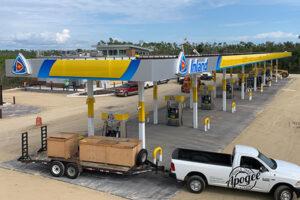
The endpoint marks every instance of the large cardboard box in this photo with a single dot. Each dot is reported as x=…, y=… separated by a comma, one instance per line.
x=93, y=149
x=62, y=145
x=123, y=153
x=109, y=150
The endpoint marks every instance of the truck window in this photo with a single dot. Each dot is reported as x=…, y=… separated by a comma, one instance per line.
x=250, y=163
x=270, y=162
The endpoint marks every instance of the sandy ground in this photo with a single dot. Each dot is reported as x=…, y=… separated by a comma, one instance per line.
x=274, y=132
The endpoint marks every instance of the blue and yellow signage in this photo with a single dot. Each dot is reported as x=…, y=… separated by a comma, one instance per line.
x=89, y=69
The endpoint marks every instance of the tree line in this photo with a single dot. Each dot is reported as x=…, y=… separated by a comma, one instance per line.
x=167, y=48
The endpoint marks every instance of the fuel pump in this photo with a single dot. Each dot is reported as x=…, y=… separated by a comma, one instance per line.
x=174, y=110
x=206, y=93
x=115, y=124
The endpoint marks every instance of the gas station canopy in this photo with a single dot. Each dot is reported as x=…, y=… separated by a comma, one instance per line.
x=129, y=69
x=135, y=69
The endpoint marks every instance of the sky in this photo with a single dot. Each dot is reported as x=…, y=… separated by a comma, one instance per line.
x=72, y=24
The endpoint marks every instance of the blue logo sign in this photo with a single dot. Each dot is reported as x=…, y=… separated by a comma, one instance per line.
x=182, y=68
x=21, y=66
x=198, y=66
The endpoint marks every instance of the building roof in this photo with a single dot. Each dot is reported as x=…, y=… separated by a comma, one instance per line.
x=120, y=46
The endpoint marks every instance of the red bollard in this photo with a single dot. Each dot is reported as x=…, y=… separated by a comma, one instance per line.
x=38, y=121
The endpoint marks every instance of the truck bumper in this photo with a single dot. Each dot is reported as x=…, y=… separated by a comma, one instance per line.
x=172, y=175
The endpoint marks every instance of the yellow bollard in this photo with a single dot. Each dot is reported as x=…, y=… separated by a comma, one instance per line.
x=157, y=150
x=206, y=122
x=233, y=107
x=250, y=94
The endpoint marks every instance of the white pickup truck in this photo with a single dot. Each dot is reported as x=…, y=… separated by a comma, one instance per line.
x=245, y=169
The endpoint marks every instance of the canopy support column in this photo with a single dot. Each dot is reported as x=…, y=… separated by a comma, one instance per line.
x=231, y=83
x=265, y=71
x=276, y=73
x=215, y=83
x=271, y=72
x=224, y=90
x=155, y=103
x=195, y=102
x=90, y=103
x=243, y=83
x=255, y=77
x=141, y=109
x=191, y=92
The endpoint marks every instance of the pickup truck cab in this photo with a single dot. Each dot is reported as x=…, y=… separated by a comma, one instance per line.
x=245, y=169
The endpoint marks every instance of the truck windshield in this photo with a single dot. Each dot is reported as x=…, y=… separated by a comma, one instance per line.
x=270, y=162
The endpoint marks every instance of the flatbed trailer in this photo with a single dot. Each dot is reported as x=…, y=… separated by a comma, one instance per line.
x=72, y=167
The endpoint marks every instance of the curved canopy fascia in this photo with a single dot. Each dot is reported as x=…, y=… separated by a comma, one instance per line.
x=240, y=60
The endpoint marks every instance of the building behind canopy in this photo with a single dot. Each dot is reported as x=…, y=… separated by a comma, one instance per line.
x=121, y=50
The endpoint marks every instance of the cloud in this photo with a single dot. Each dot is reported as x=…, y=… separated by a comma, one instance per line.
x=32, y=39
x=241, y=24
x=63, y=36
x=273, y=36
x=276, y=35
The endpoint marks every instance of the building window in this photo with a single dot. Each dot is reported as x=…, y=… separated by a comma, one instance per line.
x=122, y=52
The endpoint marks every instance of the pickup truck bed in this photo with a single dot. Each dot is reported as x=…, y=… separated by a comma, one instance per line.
x=203, y=157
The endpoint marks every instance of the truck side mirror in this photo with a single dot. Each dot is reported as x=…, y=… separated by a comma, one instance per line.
x=262, y=169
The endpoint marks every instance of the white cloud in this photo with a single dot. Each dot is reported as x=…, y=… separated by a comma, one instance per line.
x=268, y=36
x=241, y=24
x=276, y=35
x=63, y=36
x=32, y=39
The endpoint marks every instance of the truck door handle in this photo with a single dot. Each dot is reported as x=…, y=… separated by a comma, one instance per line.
x=266, y=179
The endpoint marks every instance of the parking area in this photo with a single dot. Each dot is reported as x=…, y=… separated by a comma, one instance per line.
x=226, y=126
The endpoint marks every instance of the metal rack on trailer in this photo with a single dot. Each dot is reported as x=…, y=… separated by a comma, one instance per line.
x=73, y=167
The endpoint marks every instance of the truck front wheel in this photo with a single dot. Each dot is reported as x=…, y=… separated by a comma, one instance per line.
x=283, y=193
x=195, y=184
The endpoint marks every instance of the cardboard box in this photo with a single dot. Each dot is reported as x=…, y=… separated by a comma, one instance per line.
x=62, y=145
x=109, y=150
x=93, y=149
x=123, y=154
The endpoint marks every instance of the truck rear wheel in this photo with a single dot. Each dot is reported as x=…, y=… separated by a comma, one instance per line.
x=72, y=171
x=283, y=193
x=57, y=168
x=195, y=184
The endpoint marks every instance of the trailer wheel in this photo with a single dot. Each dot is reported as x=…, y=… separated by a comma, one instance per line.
x=141, y=157
x=195, y=184
x=283, y=193
x=57, y=168
x=72, y=171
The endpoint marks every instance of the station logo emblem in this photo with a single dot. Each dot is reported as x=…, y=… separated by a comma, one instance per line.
x=21, y=66
x=243, y=178
x=182, y=68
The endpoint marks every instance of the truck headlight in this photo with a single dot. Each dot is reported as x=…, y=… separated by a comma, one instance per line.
x=297, y=184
